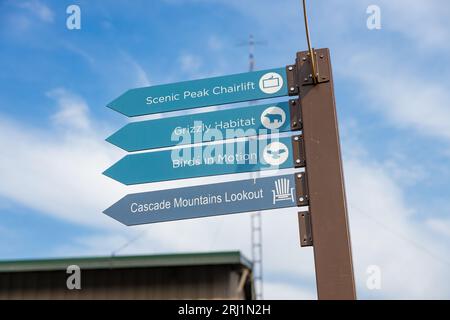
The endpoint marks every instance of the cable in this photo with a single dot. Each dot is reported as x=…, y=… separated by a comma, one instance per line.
x=401, y=236
x=308, y=39
x=114, y=252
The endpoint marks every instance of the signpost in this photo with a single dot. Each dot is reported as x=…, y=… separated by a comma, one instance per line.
x=208, y=126
x=324, y=226
x=211, y=200
x=209, y=160
x=203, y=92
x=327, y=201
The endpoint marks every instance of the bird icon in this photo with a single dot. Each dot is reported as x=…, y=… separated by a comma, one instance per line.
x=276, y=154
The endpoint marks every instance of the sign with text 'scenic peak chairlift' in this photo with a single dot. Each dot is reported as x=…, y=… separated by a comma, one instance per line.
x=203, y=92
x=209, y=160
x=208, y=126
x=211, y=200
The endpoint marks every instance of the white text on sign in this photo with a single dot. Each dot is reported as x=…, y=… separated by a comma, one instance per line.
x=218, y=90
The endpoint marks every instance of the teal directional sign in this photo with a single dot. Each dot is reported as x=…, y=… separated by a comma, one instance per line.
x=208, y=160
x=210, y=200
x=208, y=126
x=204, y=92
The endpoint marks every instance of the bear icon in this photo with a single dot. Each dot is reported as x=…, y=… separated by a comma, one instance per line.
x=274, y=117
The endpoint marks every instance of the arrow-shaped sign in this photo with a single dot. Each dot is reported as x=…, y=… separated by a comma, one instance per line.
x=214, y=159
x=203, y=92
x=211, y=200
x=208, y=126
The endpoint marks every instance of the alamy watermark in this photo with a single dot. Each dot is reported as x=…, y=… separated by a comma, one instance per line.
x=245, y=138
x=373, y=281
x=254, y=148
x=74, y=279
x=73, y=21
x=374, y=19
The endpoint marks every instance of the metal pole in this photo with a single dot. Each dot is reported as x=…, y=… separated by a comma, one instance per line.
x=257, y=250
x=256, y=218
x=327, y=201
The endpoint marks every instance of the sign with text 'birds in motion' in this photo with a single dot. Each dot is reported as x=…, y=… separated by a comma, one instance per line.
x=208, y=160
x=203, y=92
x=210, y=200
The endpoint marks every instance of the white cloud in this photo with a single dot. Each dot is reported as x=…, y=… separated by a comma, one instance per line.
x=18, y=22
x=77, y=50
x=190, y=63
x=388, y=83
x=38, y=9
x=101, y=244
x=141, y=78
x=440, y=226
x=424, y=22
x=384, y=232
x=58, y=171
x=215, y=43
x=388, y=233
x=286, y=291
x=407, y=100
x=72, y=110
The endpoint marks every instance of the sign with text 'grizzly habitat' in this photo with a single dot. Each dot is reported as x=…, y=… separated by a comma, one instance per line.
x=208, y=126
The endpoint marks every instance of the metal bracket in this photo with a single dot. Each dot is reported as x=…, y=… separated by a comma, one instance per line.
x=292, y=80
x=296, y=114
x=301, y=187
x=301, y=74
x=305, y=70
x=304, y=221
x=298, y=148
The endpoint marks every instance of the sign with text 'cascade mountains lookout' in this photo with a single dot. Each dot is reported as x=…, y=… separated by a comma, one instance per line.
x=210, y=200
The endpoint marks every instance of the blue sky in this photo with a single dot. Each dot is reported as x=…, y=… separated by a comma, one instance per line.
x=394, y=115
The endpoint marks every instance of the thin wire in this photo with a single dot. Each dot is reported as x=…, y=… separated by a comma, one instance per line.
x=129, y=242
x=308, y=39
x=401, y=236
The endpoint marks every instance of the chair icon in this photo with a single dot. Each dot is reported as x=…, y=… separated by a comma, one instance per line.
x=282, y=191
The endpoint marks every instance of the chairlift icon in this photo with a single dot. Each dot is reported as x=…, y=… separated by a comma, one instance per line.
x=283, y=191
x=271, y=82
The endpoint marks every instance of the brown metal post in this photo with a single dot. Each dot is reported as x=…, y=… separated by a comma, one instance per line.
x=327, y=202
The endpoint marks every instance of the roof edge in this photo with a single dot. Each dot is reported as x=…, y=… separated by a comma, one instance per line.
x=117, y=262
